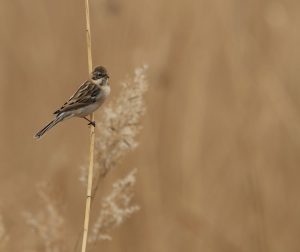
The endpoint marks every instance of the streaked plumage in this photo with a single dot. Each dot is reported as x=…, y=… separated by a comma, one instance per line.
x=89, y=97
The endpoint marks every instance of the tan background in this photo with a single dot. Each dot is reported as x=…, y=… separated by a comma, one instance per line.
x=219, y=154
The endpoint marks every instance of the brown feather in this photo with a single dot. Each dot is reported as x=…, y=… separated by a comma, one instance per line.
x=84, y=96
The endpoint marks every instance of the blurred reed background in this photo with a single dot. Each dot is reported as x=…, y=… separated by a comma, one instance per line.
x=219, y=153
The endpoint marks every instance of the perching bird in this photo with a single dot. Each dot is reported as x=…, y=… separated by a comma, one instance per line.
x=89, y=97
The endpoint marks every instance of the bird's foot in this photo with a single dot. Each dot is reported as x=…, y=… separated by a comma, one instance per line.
x=92, y=123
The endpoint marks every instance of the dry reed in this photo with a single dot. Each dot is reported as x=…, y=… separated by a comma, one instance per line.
x=48, y=222
x=115, y=208
x=92, y=137
x=120, y=123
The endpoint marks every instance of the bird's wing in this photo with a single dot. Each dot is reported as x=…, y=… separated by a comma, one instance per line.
x=85, y=95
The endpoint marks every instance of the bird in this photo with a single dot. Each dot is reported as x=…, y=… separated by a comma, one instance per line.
x=88, y=98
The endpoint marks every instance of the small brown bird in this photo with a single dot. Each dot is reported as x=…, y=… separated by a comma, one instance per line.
x=88, y=98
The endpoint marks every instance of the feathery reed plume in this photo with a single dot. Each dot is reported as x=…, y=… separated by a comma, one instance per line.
x=3, y=234
x=119, y=124
x=48, y=222
x=115, y=208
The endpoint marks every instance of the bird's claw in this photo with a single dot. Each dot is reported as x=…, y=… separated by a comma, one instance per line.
x=93, y=123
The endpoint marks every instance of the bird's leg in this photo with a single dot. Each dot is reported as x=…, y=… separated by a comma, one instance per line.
x=90, y=122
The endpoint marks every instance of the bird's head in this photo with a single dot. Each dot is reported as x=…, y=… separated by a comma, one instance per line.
x=100, y=76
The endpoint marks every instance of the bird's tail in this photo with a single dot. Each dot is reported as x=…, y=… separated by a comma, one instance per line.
x=48, y=126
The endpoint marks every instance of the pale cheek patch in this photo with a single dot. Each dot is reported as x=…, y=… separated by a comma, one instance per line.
x=98, y=81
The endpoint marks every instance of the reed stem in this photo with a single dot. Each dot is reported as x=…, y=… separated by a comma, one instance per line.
x=92, y=137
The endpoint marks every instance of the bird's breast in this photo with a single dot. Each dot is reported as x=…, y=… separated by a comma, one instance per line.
x=105, y=90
